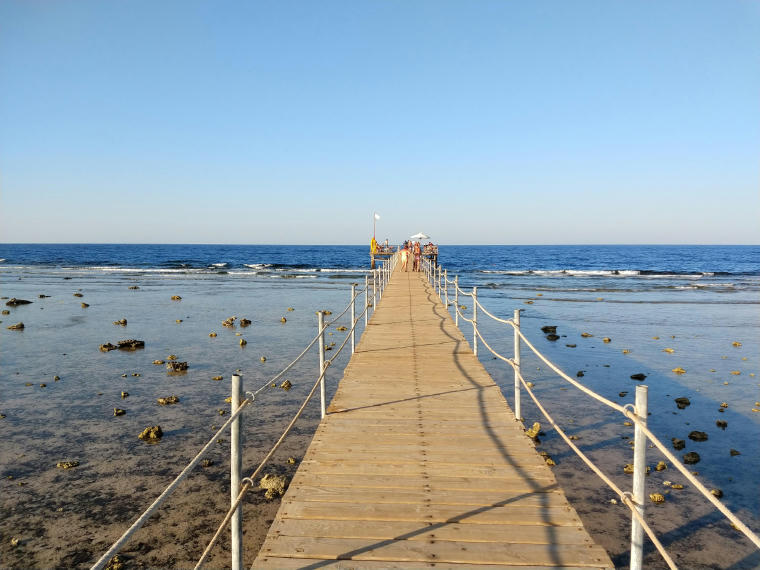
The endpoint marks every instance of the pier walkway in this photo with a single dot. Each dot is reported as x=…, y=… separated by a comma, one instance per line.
x=420, y=463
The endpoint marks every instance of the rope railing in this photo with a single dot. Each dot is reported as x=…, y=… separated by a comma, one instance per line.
x=380, y=278
x=636, y=413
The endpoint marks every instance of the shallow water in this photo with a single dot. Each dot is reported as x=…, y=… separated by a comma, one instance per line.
x=69, y=518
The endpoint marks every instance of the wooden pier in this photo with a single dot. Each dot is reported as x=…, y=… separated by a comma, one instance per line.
x=420, y=463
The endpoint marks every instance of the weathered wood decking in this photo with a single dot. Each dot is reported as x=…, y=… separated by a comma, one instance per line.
x=420, y=462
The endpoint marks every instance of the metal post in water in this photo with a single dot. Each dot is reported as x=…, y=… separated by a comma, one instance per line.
x=516, y=319
x=321, y=324
x=456, y=300
x=366, y=301
x=639, y=478
x=236, y=473
x=353, y=318
x=475, y=321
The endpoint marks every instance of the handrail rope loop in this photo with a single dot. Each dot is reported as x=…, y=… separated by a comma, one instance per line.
x=253, y=475
x=629, y=411
x=251, y=397
x=142, y=519
x=601, y=475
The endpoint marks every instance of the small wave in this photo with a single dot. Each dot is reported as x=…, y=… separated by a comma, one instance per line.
x=218, y=265
x=257, y=265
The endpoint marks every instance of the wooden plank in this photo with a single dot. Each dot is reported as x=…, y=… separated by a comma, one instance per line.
x=445, y=551
x=409, y=530
x=312, y=493
x=288, y=563
x=435, y=483
x=508, y=514
x=440, y=468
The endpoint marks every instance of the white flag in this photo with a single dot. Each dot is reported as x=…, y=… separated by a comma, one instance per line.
x=377, y=216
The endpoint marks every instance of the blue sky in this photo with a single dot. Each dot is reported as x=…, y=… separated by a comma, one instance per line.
x=504, y=122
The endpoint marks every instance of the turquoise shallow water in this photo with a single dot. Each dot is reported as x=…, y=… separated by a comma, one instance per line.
x=697, y=312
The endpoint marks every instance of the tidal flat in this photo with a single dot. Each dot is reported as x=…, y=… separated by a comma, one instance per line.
x=55, y=517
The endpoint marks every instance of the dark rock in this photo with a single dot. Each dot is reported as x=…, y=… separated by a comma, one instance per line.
x=131, y=344
x=16, y=327
x=734, y=452
x=108, y=346
x=552, y=337
x=698, y=436
x=549, y=329
x=16, y=302
x=691, y=458
x=717, y=493
x=580, y=374
x=245, y=322
x=571, y=345
x=722, y=424
x=176, y=366
x=678, y=444
x=638, y=376
x=169, y=400
x=682, y=403
x=623, y=394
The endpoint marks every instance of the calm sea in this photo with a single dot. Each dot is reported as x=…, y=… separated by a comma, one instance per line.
x=700, y=302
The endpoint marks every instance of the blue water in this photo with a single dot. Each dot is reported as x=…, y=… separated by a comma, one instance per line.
x=697, y=300
x=601, y=260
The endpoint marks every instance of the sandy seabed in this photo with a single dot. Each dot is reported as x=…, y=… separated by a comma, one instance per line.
x=69, y=518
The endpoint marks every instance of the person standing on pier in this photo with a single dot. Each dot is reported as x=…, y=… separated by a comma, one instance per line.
x=404, y=258
x=417, y=253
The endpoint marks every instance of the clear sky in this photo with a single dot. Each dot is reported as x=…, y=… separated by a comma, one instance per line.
x=501, y=122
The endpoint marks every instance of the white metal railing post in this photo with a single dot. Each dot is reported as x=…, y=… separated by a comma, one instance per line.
x=446, y=287
x=516, y=319
x=456, y=300
x=353, y=318
x=236, y=473
x=374, y=290
x=440, y=275
x=475, y=321
x=366, y=300
x=321, y=324
x=639, y=478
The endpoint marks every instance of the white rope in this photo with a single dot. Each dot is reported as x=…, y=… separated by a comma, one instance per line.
x=694, y=481
x=625, y=497
x=344, y=310
x=249, y=480
x=494, y=317
x=101, y=563
x=578, y=385
x=631, y=415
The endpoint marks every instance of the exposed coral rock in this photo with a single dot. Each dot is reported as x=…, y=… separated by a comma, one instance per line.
x=274, y=485
x=67, y=464
x=85, y=305
x=678, y=444
x=168, y=400
x=286, y=385
x=151, y=433
x=698, y=436
x=176, y=366
x=118, y=412
x=533, y=431
x=122, y=322
x=131, y=344
x=657, y=497
x=108, y=346
x=639, y=376
x=245, y=322
x=176, y=298
x=13, y=302
x=16, y=327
